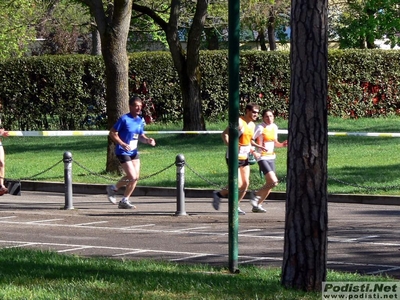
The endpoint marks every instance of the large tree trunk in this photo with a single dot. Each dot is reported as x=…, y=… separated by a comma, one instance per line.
x=305, y=247
x=188, y=66
x=113, y=26
x=211, y=38
x=271, y=31
x=261, y=39
x=96, y=41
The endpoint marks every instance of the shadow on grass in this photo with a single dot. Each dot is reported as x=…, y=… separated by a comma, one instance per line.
x=115, y=279
x=385, y=178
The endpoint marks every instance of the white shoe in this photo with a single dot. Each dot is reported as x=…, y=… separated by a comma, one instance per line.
x=126, y=205
x=254, y=200
x=259, y=209
x=241, y=212
x=111, y=194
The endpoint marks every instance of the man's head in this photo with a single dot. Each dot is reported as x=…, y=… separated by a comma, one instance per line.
x=135, y=105
x=252, y=110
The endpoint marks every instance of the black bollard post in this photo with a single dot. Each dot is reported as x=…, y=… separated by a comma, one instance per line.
x=180, y=184
x=67, y=158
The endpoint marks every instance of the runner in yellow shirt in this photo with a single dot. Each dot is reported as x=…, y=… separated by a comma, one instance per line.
x=266, y=134
x=246, y=143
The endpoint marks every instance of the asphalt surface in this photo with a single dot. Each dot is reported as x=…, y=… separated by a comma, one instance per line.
x=363, y=238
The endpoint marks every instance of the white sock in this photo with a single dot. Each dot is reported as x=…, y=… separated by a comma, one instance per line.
x=125, y=199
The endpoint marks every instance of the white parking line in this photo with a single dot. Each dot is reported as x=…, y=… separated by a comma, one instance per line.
x=74, y=249
x=252, y=258
x=43, y=221
x=193, y=228
x=190, y=257
x=84, y=224
x=129, y=253
x=249, y=230
x=384, y=271
x=363, y=238
x=245, y=258
x=139, y=226
x=20, y=245
x=360, y=241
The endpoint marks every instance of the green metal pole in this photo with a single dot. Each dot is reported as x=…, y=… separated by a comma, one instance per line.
x=234, y=28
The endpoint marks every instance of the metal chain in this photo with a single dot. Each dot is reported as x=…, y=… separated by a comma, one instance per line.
x=156, y=173
x=395, y=187
x=112, y=179
x=40, y=173
x=384, y=188
x=93, y=173
x=224, y=188
x=202, y=177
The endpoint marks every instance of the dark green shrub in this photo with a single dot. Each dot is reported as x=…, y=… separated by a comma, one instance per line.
x=67, y=92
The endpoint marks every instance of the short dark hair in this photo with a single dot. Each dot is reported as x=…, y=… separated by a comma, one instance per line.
x=251, y=106
x=133, y=99
x=266, y=111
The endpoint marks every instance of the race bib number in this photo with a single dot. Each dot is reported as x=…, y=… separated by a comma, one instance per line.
x=244, y=150
x=134, y=142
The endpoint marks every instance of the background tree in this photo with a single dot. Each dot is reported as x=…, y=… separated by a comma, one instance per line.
x=361, y=23
x=113, y=25
x=186, y=62
x=17, y=32
x=305, y=246
x=64, y=28
x=268, y=19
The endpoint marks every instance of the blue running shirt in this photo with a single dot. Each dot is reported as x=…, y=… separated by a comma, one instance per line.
x=129, y=129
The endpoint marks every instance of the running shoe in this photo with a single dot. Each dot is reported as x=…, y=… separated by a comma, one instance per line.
x=126, y=205
x=216, y=200
x=259, y=209
x=254, y=199
x=111, y=194
x=241, y=212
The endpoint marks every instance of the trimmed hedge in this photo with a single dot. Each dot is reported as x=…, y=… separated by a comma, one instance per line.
x=67, y=92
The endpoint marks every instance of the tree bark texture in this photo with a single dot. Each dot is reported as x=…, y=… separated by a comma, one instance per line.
x=113, y=26
x=187, y=64
x=305, y=246
x=261, y=38
x=271, y=30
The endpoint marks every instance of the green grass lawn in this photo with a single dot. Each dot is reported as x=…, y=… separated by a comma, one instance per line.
x=356, y=164
x=27, y=274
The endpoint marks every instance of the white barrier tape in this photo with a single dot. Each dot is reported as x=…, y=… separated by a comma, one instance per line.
x=376, y=134
x=105, y=133
x=58, y=133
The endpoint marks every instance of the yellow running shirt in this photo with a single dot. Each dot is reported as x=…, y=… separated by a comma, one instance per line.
x=246, y=131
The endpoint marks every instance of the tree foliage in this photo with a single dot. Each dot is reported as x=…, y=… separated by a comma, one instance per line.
x=64, y=28
x=16, y=31
x=362, y=22
x=186, y=61
x=266, y=16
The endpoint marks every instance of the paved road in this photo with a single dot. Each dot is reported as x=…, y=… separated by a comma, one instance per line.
x=362, y=238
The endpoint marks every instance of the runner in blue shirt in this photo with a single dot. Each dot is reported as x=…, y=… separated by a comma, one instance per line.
x=126, y=133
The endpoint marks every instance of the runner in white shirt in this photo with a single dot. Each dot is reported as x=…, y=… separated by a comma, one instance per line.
x=266, y=134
